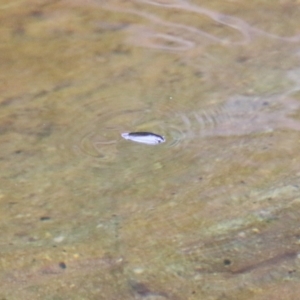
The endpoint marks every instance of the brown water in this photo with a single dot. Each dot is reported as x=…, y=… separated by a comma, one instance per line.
x=213, y=213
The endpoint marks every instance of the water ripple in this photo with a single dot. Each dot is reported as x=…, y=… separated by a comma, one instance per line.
x=99, y=135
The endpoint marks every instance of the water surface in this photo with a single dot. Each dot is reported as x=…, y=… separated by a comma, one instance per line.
x=212, y=213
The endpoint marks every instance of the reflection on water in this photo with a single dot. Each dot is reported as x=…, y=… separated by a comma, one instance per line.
x=185, y=37
x=212, y=213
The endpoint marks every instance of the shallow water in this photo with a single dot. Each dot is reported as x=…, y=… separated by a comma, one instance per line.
x=211, y=213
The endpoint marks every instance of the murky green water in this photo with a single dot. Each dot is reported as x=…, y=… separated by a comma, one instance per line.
x=212, y=213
